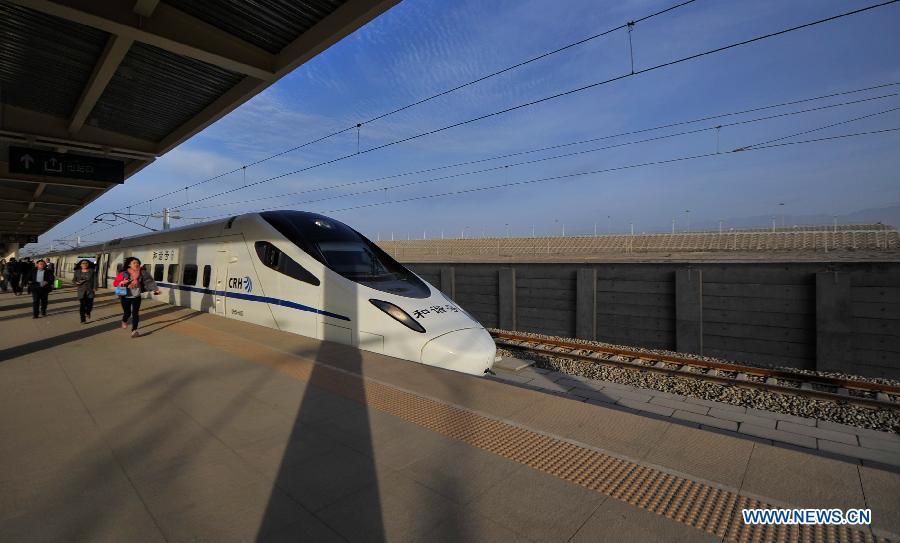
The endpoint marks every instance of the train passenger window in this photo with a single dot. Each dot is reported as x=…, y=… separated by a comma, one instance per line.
x=207, y=272
x=274, y=258
x=172, y=276
x=190, y=274
x=158, y=272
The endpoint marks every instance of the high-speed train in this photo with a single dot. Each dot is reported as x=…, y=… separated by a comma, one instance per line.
x=302, y=273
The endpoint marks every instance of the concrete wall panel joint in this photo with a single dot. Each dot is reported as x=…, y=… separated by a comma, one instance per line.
x=586, y=304
x=689, y=311
x=834, y=322
x=506, y=297
x=448, y=282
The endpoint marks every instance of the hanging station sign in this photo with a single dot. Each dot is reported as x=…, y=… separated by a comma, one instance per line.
x=31, y=161
x=18, y=238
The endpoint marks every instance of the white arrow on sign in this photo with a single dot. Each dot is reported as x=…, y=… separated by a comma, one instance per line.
x=27, y=160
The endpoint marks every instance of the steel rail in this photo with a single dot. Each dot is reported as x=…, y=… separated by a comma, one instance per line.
x=539, y=345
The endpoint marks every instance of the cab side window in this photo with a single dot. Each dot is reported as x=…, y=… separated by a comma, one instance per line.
x=158, y=272
x=207, y=272
x=274, y=258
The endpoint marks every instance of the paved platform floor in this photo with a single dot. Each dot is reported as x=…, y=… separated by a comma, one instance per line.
x=849, y=443
x=208, y=429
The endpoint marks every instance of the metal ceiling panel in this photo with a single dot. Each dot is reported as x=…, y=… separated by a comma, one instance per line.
x=269, y=24
x=154, y=92
x=68, y=192
x=154, y=96
x=14, y=185
x=45, y=61
x=49, y=210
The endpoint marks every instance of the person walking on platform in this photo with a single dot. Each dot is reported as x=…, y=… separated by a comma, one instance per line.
x=4, y=280
x=27, y=270
x=131, y=282
x=40, y=283
x=15, y=275
x=85, y=278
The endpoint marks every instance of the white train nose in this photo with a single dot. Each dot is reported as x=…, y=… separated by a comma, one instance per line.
x=468, y=351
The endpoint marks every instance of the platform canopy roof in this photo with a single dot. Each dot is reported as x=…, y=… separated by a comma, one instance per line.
x=128, y=80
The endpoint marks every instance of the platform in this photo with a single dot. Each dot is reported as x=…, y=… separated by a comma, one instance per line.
x=209, y=429
x=854, y=444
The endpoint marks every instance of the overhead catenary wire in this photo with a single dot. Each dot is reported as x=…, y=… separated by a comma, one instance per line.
x=767, y=144
x=558, y=146
x=44, y=248
x=103, y=229
x=614, y=169
x=832, y=125
x=431, y=97
x=567, y=155
x=771, y=143
x=606, y=170
x=569, y=92
x=444, y=178
x=414, y=104
x=110, y=225
x=552, y=97
x=135, y=222
x=552, y=147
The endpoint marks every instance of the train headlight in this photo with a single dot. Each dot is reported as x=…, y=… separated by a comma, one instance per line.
x=398, y=315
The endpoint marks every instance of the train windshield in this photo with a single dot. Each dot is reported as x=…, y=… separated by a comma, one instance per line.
x=353, y=258
x=347, y=252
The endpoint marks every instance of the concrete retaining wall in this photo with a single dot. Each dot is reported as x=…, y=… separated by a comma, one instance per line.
x=838, y=317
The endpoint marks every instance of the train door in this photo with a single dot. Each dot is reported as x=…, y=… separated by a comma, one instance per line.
x=221, y=272
x=294, y=289
x=102, y=270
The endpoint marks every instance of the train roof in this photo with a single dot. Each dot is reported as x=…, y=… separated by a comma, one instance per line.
x=185, y=232
x=172, y=234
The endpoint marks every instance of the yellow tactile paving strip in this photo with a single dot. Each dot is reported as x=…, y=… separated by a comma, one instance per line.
x=700, y=505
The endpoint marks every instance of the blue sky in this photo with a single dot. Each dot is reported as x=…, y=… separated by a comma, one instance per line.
x=424, y=46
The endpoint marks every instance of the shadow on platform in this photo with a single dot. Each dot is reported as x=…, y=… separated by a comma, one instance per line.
x=55, y=341
x=343, y=473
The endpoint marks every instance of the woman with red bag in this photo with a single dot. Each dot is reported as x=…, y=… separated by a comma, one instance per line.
x=135, y=281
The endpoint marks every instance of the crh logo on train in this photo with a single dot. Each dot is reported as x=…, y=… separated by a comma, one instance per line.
x=241, y=283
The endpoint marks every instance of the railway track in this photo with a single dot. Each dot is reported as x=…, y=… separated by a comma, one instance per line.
x=862, y=393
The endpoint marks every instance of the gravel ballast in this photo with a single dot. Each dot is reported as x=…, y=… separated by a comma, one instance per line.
x=882, y=419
